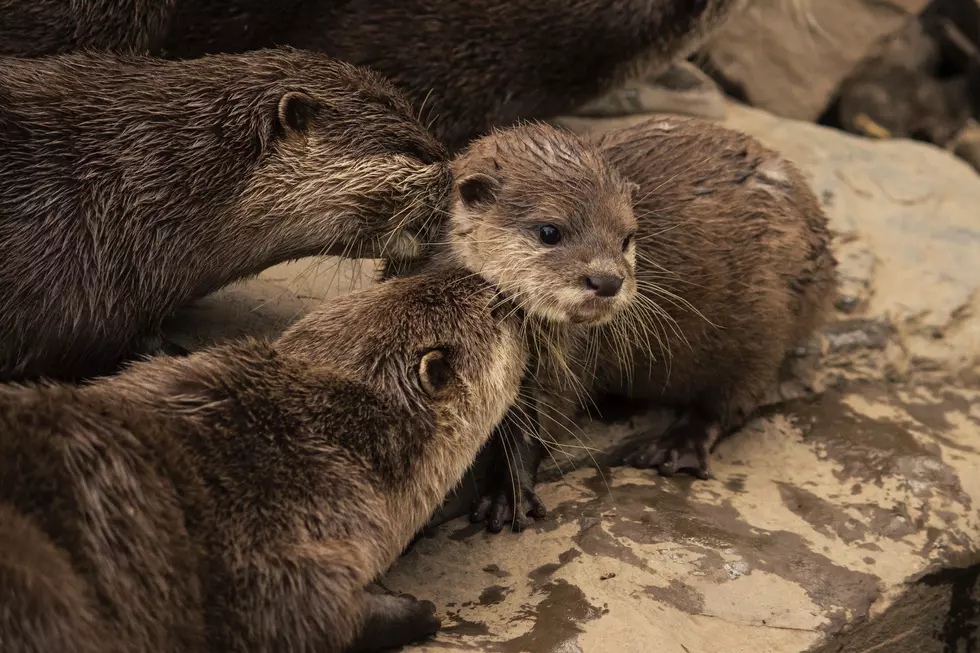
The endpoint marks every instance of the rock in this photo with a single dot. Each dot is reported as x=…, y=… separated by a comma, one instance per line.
x=967, y=145
x=824, y=511
x=935, y=614
x=897, y=92
x=682, y=89
x=790, y=56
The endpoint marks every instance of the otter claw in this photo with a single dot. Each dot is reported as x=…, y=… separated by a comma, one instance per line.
x=499, y=509
x=685, y=447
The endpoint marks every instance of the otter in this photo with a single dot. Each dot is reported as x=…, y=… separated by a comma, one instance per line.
x=243, y=497
x=689, y=296
x=477, y=64
x=33, y=28
x=470, y=64
x=130, y=186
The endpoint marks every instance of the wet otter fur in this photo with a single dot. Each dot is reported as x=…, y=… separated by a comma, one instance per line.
x=471, y=64
x=241, y=498
x=560, y=246
x=477, y=64
x=130, y=186
x=32, y=28
x=732, y=270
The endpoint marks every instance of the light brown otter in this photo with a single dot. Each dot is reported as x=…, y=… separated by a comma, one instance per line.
x=542, y=215
x=130, y=186
x=240, y=499
x=732, y=270
x=471, y=64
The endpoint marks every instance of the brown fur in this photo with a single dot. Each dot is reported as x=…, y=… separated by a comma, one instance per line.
x=733, y=248
x=240, y=499
x=732, y=261
x=30, y=28
x=477, y=64
x=473, y=64
x=130, y=186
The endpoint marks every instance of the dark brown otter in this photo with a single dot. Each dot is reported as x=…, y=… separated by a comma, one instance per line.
x=31, y=28
x=733, y=269
x=130, y=186
x=477, y=64
x=240, y=499
x=472, y=64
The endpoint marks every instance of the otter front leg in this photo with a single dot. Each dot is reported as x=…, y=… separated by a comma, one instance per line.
x=511, y=496
x=686, y=445
x=394, y=621
x=311, y=598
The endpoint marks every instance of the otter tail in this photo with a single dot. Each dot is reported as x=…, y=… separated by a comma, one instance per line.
x=44, y=605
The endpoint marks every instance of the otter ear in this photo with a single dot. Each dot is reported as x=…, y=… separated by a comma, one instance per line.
x=296, y=110
x=435, y=373
x=634, y=191
x=477, y=189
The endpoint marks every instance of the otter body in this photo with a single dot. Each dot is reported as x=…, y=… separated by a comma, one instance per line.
x=734, y=270
x=478, y=64
x=690, y=295
x=130, y=186
x=242, y=498
x=32, y=28
x=471, y=64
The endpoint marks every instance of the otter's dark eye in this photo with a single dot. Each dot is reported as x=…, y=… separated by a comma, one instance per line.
x=627, y=242
x=549, y=234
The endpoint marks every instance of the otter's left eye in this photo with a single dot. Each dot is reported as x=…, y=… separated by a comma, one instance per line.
x=627, y=242
x=549, y=234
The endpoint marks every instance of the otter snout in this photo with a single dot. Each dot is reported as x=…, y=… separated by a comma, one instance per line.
x=604, y=285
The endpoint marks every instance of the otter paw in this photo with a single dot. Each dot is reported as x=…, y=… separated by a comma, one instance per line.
x=685, y=447
x=503, y=507
x=394, y=621
x=670, y=459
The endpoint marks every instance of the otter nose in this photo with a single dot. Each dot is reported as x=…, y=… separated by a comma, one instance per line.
x=604, y=285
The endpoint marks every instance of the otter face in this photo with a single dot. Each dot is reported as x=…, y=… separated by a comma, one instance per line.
x=432, y=344
x=348, y=154
x=541, y=214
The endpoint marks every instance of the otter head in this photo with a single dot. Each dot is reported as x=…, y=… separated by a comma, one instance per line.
x=344, y=162
x=435, y=352
x=541, y=214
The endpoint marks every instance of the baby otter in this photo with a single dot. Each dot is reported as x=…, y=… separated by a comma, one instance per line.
x=732, y=269
x=241, y=498
x=130, y=186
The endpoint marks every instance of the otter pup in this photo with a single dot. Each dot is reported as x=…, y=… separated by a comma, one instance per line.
x=241, y=498
x=130, y=186
x=732, y=269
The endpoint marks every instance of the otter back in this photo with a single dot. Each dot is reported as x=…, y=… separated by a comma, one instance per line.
x=129, y=186
x=241, y=498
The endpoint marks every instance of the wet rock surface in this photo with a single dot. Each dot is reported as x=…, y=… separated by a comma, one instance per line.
x=827, y=515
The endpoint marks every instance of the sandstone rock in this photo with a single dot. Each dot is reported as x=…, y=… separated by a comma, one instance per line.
x=789, y=56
